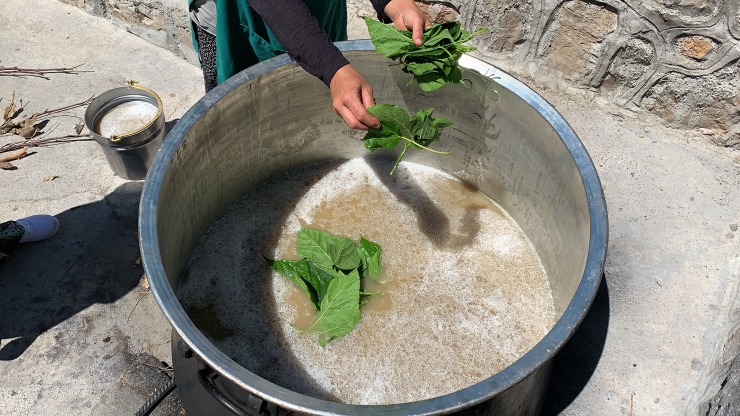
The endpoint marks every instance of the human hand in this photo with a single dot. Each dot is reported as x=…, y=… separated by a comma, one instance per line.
x=406, y=15
x=351, y=95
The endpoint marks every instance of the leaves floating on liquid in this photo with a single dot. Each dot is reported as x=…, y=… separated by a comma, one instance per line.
x=329, y=272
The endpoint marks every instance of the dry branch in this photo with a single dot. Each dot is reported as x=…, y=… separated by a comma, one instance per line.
x=15, y=156
x=46, y=113
x=45, y=142
x=38, y=72
x=26, y=127
x=5, y=160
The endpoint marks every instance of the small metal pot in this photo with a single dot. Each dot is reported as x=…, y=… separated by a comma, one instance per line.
x=274, y=117
x=130, y=154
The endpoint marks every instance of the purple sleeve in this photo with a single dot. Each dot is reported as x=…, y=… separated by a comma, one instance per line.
x=379, y=6
x=301, y=35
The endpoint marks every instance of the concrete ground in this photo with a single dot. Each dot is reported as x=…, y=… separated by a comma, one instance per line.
x=80, y=334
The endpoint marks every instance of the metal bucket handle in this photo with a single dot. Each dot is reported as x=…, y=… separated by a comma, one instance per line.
x=135, y=84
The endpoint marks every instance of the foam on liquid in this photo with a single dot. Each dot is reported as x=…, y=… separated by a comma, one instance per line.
x=126, y=117
x=466, y=294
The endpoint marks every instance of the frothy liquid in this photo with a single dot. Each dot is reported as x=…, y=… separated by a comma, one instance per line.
x=466, y=294
x=126, y=118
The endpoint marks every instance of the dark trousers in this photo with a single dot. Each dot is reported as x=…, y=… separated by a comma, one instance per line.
x=207, y=55
x=10, y=234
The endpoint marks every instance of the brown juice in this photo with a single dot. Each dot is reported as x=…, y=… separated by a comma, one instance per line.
x=465, y=292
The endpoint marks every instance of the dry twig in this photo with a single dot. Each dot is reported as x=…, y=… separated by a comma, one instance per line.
x=38, y=72
x=15, y=156
x=5, y=160
x=45, y=142
x=137, y=304
x=46, y=113
x=28, y=126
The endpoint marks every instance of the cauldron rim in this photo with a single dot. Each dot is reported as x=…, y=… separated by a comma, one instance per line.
x=285, y=398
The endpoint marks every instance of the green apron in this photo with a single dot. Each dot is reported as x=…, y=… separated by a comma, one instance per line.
x=243, y=38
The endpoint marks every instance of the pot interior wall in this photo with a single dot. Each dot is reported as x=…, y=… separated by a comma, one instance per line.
x=282, y=120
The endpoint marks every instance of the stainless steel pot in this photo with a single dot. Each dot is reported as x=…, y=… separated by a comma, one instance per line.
x=275, y=117
x=129, y=155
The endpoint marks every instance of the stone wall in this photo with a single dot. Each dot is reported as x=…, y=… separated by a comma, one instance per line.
x=164, y=23
x=677, y=59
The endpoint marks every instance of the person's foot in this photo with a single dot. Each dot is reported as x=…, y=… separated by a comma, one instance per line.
x=38, y=227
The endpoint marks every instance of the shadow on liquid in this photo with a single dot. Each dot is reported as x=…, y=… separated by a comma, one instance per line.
x=262, y=351
x=572, y=367
x=243, y=250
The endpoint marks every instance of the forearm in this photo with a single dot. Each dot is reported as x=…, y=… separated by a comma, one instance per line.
x=301, y=35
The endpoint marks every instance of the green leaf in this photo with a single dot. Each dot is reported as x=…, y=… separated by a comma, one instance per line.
x=421, y=68
x=393, y=117
x=441, y=122
x=439, y=37
x=425, y=131
x=319, y=279
x=459, y=49
x=466, y=36
x=340, y=308
x=429, y=53
x=388, y=40
x=430, y=33
x=431, y=82
x=374, y=141
x=296, y=271
x=370, y=254
x=343, y=252
x=445, y=66
x=314, y=245
x=442, y=47
x=384, y=137
x=326, y=250
x=417, y=132
x=455, y=75
x=456, y=31
x=336, y=294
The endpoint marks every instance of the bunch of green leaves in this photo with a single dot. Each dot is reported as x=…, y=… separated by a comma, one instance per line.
x=329, y=271
x=397, y=126
x=434, y=63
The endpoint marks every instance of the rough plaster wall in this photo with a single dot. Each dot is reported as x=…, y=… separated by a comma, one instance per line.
x=164, y=23
x=677, y=59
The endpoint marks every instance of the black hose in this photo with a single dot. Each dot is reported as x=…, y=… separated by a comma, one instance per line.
x=157, y=397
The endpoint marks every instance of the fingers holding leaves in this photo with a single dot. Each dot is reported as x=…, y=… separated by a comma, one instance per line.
x=415, y=23
x=351, y=95
x=406, y=15
x=436, y=62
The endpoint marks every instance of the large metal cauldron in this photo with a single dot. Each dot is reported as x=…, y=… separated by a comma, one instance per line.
x=275, y=117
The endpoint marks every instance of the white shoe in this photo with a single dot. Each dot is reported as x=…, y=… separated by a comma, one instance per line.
x=38, y=227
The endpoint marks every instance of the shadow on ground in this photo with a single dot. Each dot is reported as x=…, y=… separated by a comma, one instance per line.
x=92, y=259
x=576, y=362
